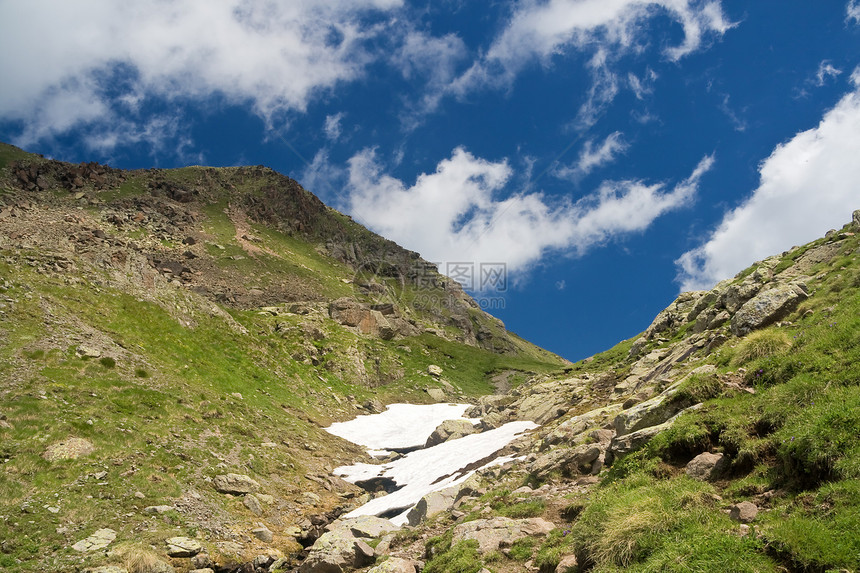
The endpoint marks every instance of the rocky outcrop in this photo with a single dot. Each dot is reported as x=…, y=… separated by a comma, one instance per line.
x=183, y=547
x=768, y=307
x=235, y=484
x=498, y=532
x=384, y=323
x=364, y=526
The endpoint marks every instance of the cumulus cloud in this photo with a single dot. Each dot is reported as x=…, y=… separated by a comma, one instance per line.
x=97, y=60
x=594, y=156
x=808, y=185
x=541, y=30
x=458, y=213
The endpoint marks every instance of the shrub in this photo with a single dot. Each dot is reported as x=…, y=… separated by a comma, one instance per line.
x=107, y=362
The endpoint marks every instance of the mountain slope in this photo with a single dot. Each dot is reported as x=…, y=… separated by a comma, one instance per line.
x=159, y=328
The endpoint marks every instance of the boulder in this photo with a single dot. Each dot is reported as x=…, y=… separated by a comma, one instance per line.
x=706, y=466
x=768, y=307
x=497, y=532
x=367, y=526
x=158, y=509
x=335, y=552
x=437, y=394
x=855, y=219
x=434, y=370
x=253, y=504
x=569, y=461
x=547, y=401
x=95, y=542
x=183, y=547
x=627, y=443
x=432, y=504
x=745, y=512
x=450, y=430
x=395, y=565
x=236, y=484
x=264, y=534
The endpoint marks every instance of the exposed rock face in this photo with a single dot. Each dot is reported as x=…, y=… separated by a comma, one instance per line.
x=492, y=534
x=368, y=320
x=236, y=484
x=70, y=449
x=768, y=307
x=707, y=466
x=450, y=430
x=95, y=542
x=395, y=565
x=183, y=547
x=336, y=552
x=674, y=315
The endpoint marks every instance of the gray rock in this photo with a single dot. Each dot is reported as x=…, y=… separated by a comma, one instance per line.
x=236, y=484
x=183, y=547
x=437, y=394
x=337, y=551
x=108, y=569
x=434, y=370
x=432, y=504
x=767, y=307
x=492, y=534
x=744, y=512
x=450, y=430
x=707, y=466
x=855, y=218
x=253, y=504
x=366, y=526
x=85, y=351
x=98, y=540
x=203, y=570
x=395, y=565
x=651, y=412
x=622, y=445
x=263, y=534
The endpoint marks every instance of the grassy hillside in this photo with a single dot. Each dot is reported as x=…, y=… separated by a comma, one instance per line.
x=179, y=322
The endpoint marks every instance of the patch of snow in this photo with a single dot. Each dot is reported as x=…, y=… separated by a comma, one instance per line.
x=430, y=469
x=401, y=426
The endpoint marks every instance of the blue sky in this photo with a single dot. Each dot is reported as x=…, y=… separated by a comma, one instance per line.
x=609, y=153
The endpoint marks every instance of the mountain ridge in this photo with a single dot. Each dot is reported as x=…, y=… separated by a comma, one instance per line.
x=174, y=341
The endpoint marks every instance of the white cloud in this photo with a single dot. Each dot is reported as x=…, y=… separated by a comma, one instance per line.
x=540, y=30
x=332, y=127
x=273, y=55
x=808, y=186
x=853, y=11
x=825, y=70
x=738, y=122
x=591, y=158
x=642, y=86
x=456, y=213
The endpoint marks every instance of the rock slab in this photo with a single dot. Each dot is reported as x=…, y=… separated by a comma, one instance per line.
x=98, y=540
x=236, y=484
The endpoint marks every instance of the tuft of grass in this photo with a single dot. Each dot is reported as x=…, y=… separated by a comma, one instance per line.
x=107, y=362
x=761, y=344
x=462, y=557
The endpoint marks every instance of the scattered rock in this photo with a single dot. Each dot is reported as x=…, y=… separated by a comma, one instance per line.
x=236, y=484
x=183, y=547
x=744, y=512
x=98, y=540
x=85, y=351
x=434, y=370
x=707, y=466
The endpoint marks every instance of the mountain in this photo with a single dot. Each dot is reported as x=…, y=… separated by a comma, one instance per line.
x=174, y=342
